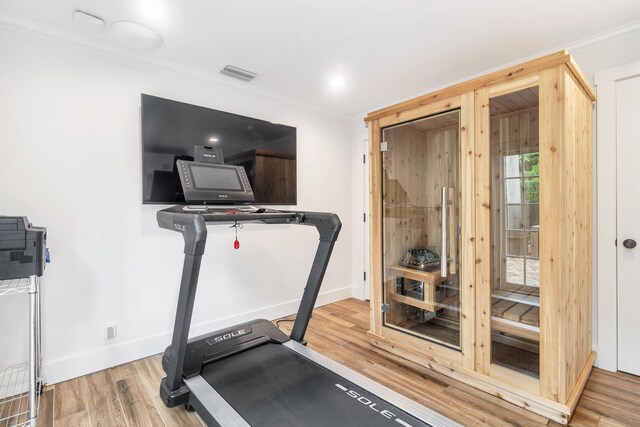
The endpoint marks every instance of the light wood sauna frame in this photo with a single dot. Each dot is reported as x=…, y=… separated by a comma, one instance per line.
x=566, y=357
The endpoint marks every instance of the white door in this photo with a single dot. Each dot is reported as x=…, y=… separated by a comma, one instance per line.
x=628, y=230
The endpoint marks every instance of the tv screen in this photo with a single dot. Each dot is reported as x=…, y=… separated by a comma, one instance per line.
x=171, y=130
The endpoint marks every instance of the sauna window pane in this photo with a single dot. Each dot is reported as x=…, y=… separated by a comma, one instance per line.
x=515, y=231
x=513, y=191
x=531, y=190
x=422, y=157
x=533, y=246
x=532, y=272
x=515, y=269
x=512, y=166
x=532, y=216
x=515, y=243
x=514, y=217
x=530, y=163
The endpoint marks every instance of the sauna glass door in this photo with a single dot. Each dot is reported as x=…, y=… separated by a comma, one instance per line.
x=421, y=228
x=515, y=231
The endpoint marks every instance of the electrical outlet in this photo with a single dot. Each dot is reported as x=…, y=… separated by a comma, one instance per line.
x=110, y=334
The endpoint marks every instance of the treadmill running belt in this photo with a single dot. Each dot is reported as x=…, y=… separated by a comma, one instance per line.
x=273, y=386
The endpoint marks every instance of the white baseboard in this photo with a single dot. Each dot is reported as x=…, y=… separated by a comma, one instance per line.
x=56, y=371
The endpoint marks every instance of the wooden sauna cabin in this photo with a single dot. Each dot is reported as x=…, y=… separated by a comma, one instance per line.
x=481, y=233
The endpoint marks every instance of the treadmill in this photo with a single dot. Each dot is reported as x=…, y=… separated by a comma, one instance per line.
x=253, y=374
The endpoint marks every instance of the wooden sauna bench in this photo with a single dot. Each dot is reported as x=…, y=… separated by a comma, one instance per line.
x=517, y=312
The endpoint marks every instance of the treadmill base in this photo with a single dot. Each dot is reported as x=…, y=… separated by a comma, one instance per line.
x=289, y=385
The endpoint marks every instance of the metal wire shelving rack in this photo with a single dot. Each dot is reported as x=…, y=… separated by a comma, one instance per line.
x=20, y=384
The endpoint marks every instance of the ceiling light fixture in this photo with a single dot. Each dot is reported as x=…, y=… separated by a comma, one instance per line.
x=88, y=22
x=136, y=36
x=213, y=139
x=337, y=82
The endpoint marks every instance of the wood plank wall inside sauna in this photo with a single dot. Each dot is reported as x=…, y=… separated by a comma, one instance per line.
x=416, y=165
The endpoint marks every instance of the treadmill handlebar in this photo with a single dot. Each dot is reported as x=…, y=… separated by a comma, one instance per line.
x=327, y=224
x=193, y=226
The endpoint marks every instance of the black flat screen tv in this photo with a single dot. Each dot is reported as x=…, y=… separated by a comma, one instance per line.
x=171, y=130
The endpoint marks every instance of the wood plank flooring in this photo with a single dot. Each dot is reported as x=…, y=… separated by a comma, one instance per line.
x=127, y=395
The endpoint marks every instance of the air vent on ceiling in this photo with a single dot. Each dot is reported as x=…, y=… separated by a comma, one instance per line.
x=88, y=22
x=238, y=73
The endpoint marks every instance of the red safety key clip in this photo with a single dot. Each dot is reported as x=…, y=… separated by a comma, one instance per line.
x=236, y=243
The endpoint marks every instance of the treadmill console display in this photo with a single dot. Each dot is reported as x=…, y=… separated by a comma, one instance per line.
x=214, y=183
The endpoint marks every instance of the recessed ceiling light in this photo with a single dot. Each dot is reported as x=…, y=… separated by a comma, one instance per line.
x=337, y=81
x=88, y=22
x=136, y=36
x=213, y=139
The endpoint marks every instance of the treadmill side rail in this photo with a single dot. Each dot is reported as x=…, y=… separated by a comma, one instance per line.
x=207, y=402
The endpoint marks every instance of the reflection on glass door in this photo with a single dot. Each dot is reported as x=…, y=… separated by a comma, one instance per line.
x=515, y=231
x=421, y=202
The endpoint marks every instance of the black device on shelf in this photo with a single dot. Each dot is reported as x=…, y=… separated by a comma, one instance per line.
x=23, y=248
x=214, y=183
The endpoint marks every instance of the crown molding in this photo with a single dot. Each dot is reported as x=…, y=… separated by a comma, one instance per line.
x=605, y=36
x=50, y=33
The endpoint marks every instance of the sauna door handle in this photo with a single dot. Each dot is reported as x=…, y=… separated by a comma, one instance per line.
x=629, y=243
x=443, y=252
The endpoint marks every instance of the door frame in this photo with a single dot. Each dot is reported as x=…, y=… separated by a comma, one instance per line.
x=366, y=291
x=606, y=223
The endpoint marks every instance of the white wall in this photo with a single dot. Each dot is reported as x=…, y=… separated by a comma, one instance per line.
x=70, y=161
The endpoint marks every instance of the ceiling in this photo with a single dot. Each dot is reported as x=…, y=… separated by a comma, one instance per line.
x=375, y=52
